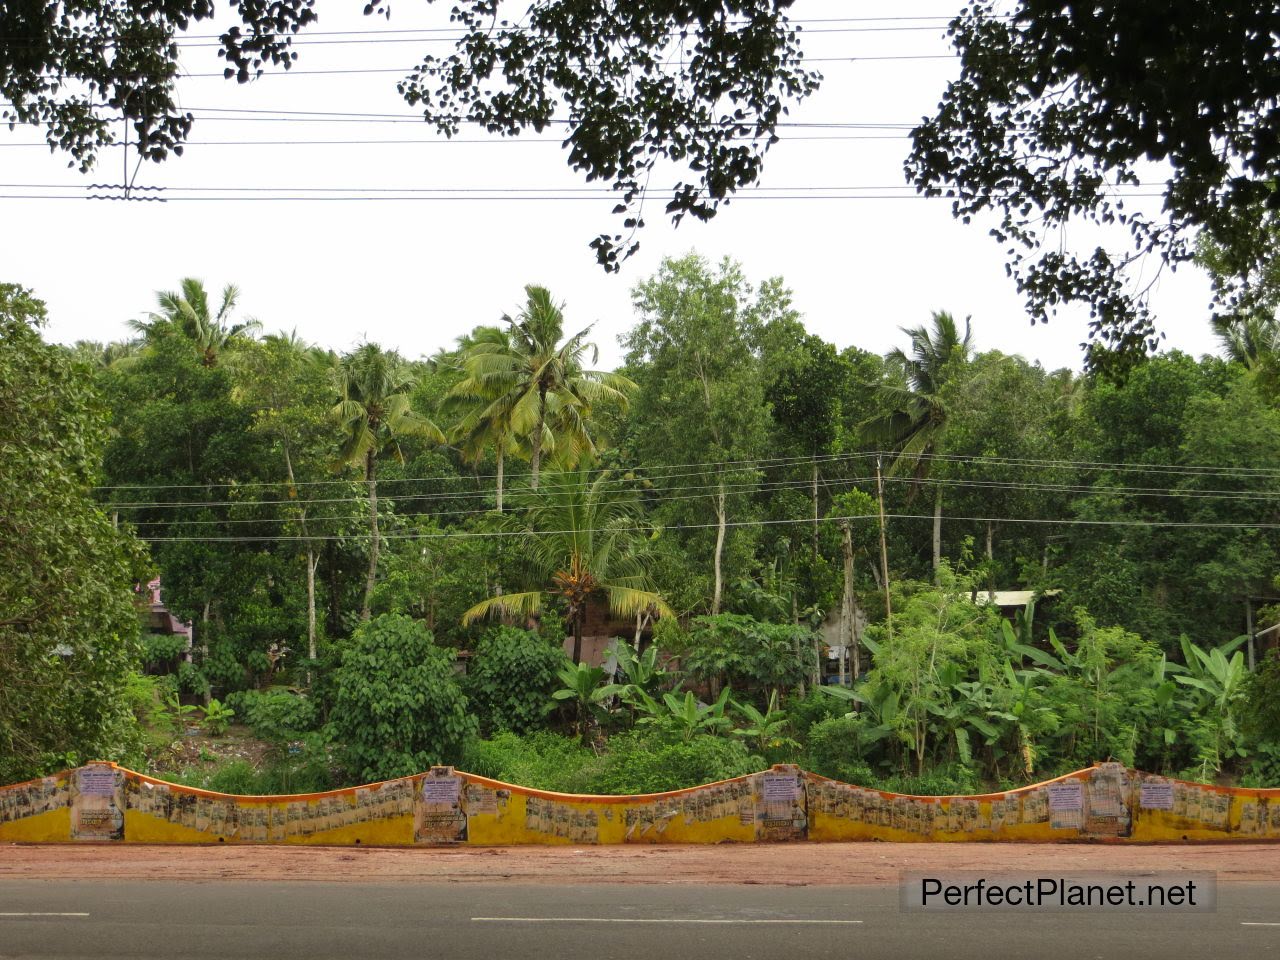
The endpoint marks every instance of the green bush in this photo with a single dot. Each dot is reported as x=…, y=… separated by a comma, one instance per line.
x=191, y=680
x=836, y=750
x=1264, y=766
x=162, y=649
x=813, y=708
x=938, y=782
x=1260, y=717
x=542, y=760
x=637, y=763
x=217, y=716
x=275, y=715
x=398, y=708
x=307, y=772
x=238, y=776
x=744, y=653
x=510, y=679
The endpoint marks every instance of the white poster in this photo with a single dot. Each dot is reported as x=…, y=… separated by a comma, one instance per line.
x=1156, y=795
x=1068, y=795
x=780, y=789
x=442, y=790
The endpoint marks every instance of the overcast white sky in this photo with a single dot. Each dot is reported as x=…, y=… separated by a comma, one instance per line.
x=413, y=275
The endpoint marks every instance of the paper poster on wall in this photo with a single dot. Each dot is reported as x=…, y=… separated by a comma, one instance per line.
x=1156, y=795
x=1068, y=795
x=443, y=790
x=780, y=789
x=438, y=816
x=481, y=800
x=97, y=807
x=96, y=782
x=1066, y=805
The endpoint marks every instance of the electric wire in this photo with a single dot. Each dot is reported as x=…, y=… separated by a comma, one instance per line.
x=492, y=534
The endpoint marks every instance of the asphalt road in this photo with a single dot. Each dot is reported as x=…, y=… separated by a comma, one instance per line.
x=316, y=921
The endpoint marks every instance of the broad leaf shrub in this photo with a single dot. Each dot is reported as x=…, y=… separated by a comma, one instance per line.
x=398, y=708
x=160, y=651
x=510, y=679
x=275, y=715
x=742, y=652
x=69, y=638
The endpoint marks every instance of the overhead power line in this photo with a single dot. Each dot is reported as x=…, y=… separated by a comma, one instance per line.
x=701, y=468
x=443, y=141
x=805, y=25
x=498, y=534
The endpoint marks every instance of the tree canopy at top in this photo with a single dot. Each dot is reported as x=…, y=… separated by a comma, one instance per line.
x=1061, y=111
x=700, y=84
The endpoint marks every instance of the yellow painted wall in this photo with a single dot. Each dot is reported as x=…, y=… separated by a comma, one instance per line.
x=1107, y=803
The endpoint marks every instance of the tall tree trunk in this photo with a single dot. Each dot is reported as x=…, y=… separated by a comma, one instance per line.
x=849, y=605
x=370, y=474
x=312, y=561
x=642, y=621
x=884, y=552
x=535, y=449
x=578, y=616
x=991, y=558
x=815, y=504
x=500, y=464
x=937, y=532
x=721, y=511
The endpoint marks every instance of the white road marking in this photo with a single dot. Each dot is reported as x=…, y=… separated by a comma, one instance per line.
x=641, y=920
x=43, y=914
x=1255, y=923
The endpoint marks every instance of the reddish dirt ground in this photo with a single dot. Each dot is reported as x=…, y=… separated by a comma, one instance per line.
x=797, y=864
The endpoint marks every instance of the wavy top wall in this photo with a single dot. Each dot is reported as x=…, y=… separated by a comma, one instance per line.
x=1104, y=803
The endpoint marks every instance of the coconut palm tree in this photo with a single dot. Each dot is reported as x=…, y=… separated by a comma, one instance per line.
x=485, y=418
x=116, y=355
x=1248, y=339
x=373, y=408
x=188, y=310
x=583, y=538
x=534, y=378
x=916, y=423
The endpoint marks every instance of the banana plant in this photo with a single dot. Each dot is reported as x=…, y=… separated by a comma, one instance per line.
x=964, y=714
x=1015, y=649
x=880, y=705
x=641, y=670
x=1164, y=714
x=584, y=686
x=178, y=713
x=687, y=715
x=764, y=728
x=1016, y=701
x=1219, y=681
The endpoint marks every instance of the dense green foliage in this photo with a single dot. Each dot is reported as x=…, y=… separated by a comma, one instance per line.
x=68, y=620
x=399, y=708
x=700, y=531
x=510, y=678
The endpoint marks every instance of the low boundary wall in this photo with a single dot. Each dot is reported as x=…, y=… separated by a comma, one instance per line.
x=1104, y=803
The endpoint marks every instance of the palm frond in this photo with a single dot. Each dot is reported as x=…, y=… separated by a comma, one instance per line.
x=517, y=604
